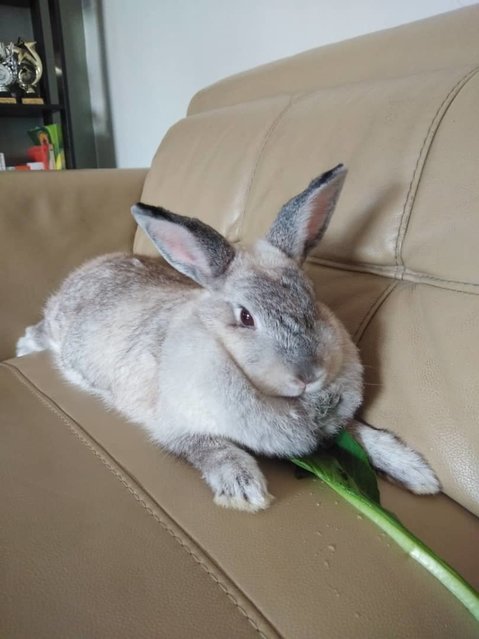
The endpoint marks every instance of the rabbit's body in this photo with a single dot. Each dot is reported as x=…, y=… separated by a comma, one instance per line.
x=229, y=351
x=129, y=329
x=106, y=326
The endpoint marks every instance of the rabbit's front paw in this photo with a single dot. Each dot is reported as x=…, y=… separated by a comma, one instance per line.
x=326, y=402
x=400, y=463
x=417, y=475
x=239, y=484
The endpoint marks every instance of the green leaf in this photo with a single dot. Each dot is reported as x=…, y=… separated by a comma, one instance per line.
x=355, y=462
x=345, y=468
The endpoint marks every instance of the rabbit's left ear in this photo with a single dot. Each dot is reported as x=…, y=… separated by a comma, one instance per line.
x=302, y=221
x=190, y=246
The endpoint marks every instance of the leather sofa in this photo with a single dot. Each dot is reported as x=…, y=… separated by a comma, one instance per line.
x=102, y=534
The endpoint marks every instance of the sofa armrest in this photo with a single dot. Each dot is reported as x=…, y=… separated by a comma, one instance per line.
x=51, y=222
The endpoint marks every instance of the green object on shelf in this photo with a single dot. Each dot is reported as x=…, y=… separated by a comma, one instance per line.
x=345, y=468
x=50, y=134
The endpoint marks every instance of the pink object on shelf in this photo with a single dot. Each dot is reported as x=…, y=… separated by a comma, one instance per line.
x=40, y=153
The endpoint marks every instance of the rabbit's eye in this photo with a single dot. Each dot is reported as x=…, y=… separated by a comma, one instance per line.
x=246, y=318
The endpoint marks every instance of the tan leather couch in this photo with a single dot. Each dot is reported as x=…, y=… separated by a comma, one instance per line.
x=102, y=534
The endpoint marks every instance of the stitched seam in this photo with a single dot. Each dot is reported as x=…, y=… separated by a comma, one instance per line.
x=363, y=267
x=425, y=276
x=84, y=440
x=239, y=222
x=373, y=308
x=373, y=312
x=385, y=271
x=421, y=161
x=307, y=92
x=378, y=303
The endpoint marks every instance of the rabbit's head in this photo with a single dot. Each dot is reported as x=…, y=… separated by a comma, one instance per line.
x=257, y=301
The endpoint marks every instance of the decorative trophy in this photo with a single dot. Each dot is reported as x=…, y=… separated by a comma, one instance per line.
x=8, y=73
x=30, y=70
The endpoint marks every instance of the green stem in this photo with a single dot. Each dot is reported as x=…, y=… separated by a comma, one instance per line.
x=405, y=539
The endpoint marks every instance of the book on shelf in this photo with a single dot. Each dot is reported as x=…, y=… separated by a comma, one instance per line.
x=48, y=147
x=47, y=154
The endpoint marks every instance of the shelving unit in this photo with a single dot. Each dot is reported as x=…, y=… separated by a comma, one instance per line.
x=64, y=84
x=28, y=110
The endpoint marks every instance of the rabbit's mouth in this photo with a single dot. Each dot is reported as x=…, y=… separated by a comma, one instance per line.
x=286, y=391
x=290, y=390
x=289, y=387
x=316, y=386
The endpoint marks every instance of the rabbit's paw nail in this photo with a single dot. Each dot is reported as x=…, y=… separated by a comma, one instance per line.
x=244, y=489
x=249, y=504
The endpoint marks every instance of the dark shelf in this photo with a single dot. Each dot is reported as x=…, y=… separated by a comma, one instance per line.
x=57, y=26
x=28, y=110
x=16, y=3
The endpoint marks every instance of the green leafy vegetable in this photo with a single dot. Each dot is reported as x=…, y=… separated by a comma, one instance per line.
x=345, y=468
x=353, y=459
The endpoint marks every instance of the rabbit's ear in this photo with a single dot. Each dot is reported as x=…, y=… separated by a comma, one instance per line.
x=303, y=220
x=190, y=246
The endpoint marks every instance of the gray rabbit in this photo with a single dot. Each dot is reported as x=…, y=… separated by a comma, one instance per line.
x=227, y=351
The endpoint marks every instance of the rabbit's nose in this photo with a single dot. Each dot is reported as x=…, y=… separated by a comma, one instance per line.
x=295, y=387
x=300, y=384
x=306, y=374
x=306, y=378
x=315, y=380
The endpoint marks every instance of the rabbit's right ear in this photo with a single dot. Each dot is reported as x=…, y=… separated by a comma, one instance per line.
x=190, y=246
x=302, y=221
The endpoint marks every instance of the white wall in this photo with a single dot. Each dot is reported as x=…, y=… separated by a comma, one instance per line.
x=160, y=52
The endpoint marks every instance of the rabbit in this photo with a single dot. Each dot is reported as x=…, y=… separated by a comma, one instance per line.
x=221, y=351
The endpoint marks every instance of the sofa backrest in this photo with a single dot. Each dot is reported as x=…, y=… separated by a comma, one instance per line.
x=399, y=263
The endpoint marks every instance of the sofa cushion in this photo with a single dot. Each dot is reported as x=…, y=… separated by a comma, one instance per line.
x=189, y=568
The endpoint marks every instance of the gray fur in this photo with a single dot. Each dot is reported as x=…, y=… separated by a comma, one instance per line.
x=173, y=356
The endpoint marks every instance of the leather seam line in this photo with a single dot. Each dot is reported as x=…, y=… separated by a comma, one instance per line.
x=125, y=481
x=311, y=91
x=384, y=271
x=421, y=162
x=373, y=309
x=240, y=221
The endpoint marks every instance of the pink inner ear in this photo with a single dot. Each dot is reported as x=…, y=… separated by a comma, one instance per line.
x=181, y=245
x=177, y=250
x=320, y=206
